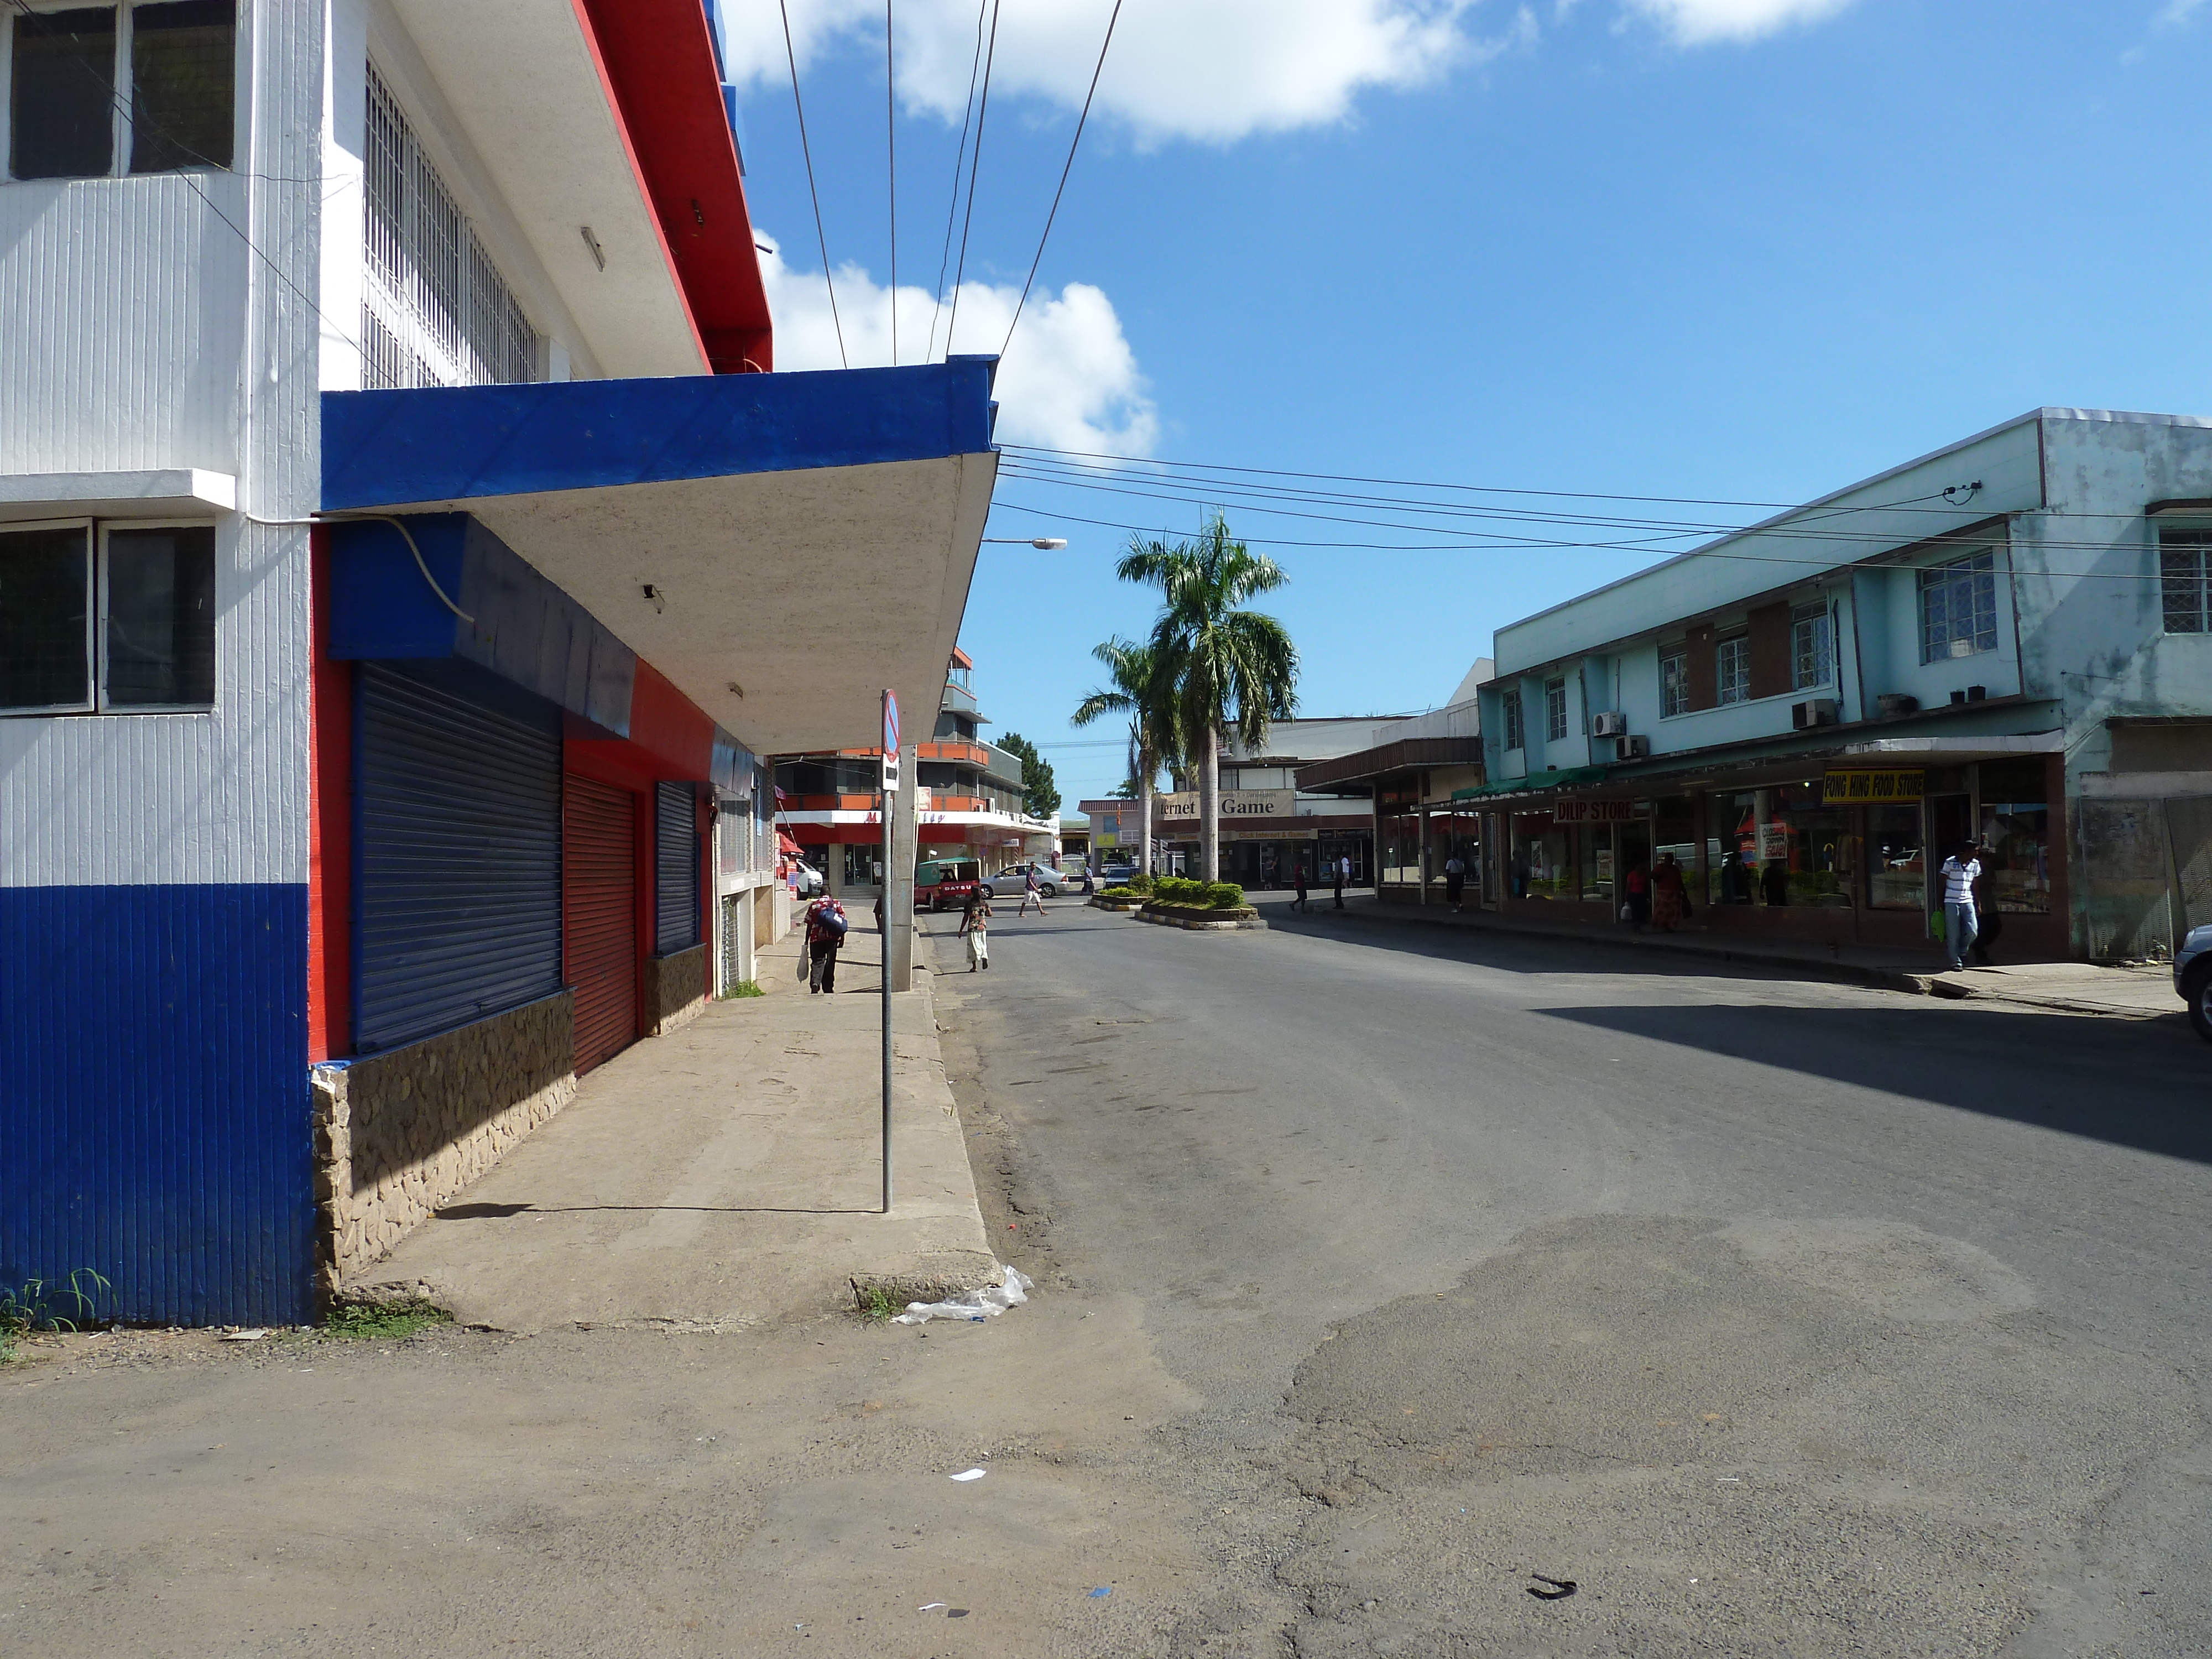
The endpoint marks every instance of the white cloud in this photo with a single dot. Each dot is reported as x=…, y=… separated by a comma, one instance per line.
x=1701, y=23
x=1069, y=381
x=1215, y=70
x=2177, y=13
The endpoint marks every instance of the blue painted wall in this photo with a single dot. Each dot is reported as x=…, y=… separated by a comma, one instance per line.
x=153, y=1098
x=450, y=443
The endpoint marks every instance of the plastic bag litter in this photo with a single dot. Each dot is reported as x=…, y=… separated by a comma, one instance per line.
x=1012, y=1289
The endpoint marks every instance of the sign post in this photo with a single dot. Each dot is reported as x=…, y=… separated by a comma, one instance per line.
x=890, y=790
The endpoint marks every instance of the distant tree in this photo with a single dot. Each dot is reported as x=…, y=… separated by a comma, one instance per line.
x=1232, y=669
x=1039, y=794
x=1147, y=697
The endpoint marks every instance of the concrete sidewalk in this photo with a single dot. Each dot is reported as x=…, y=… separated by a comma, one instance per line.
x=724, y=1175
x=2144, y=992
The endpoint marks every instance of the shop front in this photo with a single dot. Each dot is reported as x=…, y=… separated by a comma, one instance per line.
x=1846, y=854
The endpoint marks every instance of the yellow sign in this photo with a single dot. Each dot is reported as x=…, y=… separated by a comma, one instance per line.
x=1874, y=787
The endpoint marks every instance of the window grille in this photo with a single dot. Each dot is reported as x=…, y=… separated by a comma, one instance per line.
x=1674, y=683
x=1555, y=711
x=2185, y=562
x=1958, y=607
x=1732, y=669
x=1812, y=646
x=435, y=310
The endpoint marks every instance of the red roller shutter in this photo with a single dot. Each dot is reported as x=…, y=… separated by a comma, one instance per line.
x=598, y=914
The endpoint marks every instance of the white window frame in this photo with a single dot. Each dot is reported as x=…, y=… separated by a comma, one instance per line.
x=1728, y=691
x=2197, y=546
x=121, y=131
x=95, y=619
x=1516, y=733
x=1674, y=699
x=91, y=622
x=1922, y=588
x=1555, y=710
x=1812, y=615
x=106, y=527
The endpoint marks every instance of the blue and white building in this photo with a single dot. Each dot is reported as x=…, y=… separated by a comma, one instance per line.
x=2008, y=642
x=396, y=510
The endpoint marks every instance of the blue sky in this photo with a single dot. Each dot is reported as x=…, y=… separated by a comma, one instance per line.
x=1739, y=249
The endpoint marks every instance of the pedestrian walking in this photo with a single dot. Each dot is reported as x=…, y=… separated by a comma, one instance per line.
x=1454, y=880
x=1299, y=881
x=975, y=926
x=825, y=937
x=1639, y=902
x=1670, y=900
x=1341, y=870
x=1961, y=871
x=1032, y=893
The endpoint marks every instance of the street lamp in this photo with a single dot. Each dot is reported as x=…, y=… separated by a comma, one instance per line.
x=1047, y=543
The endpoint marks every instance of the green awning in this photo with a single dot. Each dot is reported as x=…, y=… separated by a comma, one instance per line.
x=1566, y=778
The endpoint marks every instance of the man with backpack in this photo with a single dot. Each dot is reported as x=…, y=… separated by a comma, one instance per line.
x=825, y=936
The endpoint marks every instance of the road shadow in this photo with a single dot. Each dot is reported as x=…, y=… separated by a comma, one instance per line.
x=2140, y=1083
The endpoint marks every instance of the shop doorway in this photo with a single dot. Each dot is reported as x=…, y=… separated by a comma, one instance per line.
x=1632, y=844
x=1950, y=821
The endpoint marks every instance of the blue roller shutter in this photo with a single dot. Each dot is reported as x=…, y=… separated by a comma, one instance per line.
x=457, y=883
x=675, y=870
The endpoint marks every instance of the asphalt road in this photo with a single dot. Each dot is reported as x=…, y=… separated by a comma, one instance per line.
x=1779, y=1317
x=1377, y=1274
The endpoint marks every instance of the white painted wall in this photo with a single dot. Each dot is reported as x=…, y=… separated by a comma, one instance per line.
x=142, y=330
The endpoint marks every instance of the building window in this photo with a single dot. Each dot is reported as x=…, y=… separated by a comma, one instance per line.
x=1732, y=669
x=1959, y=608
x=2185, y=565
x=67, y=116
x=1812, y=646
x=1514, y=737
x=435, y=311
x=131, y=630
x=1673, y=682
x=1555, y=711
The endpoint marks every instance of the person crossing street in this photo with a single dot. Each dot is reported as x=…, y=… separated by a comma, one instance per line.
x=1032, y=893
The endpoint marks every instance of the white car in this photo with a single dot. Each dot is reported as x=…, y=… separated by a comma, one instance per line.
x=810, y=884
x=1013, y=881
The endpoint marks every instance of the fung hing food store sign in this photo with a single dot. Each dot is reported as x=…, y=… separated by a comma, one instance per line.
x=1875, y=787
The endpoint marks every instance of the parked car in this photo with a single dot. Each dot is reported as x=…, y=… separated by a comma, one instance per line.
x=944, y=884
x=1012, y=881
x=809, y=879
x=2192, y=978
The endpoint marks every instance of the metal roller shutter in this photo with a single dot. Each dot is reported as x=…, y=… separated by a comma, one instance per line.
x=459, y=883
x=600, y=916
x=675, y=870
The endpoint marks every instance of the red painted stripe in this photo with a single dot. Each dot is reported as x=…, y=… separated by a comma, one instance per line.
x=330, y=824
x=656, y=60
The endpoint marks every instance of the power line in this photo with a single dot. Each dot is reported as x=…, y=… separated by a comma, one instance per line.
x=1535, y=545
x=1079, y=120
x=959, y=155
x=974, y=163
x=891, y=153
x=821, y=241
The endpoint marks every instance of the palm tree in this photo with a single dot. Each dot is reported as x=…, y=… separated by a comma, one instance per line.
x=1140, y=691
x=1232, y=669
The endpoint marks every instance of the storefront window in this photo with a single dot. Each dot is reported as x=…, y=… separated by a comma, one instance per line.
x=864, y=864
x=1897, y=858
x=1674, y=829
x=1454, y=835
x=1542, y=854
x=1781, y=846
x=1595, y=863
x=2016, y=837
x=1401, y=849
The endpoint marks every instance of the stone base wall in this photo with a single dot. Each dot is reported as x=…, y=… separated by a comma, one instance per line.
x=397, y=1134
x=675, y=990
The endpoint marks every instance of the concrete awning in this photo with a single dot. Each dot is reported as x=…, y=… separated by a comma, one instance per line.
x=807, y=539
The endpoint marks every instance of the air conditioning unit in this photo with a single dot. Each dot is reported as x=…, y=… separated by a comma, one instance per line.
x=1813, y=711
x=1629, y=748
x=1609, y=725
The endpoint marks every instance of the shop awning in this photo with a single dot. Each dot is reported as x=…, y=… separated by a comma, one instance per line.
x=782, y=547
x=1405, y=754
x=787, y=847
x=1573, y=777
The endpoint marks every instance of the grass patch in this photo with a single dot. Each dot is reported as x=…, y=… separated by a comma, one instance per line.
x=38, y=1305
x=874, y=1303
x=745, y=987
x=387, y=1321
